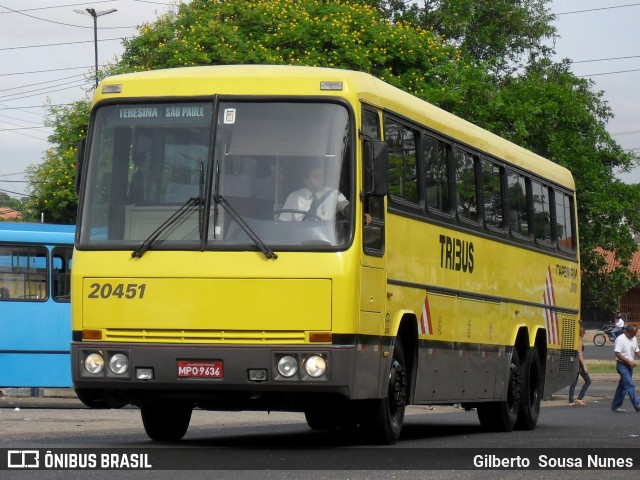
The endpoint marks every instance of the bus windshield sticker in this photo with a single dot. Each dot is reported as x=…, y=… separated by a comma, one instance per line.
x=229, y=116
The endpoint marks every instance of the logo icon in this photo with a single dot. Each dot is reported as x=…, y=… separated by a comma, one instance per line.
x=23, y=459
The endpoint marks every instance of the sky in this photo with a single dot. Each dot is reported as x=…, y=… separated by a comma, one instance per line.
x=47, y=56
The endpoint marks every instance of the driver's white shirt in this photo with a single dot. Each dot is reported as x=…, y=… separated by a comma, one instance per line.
x=301, y=200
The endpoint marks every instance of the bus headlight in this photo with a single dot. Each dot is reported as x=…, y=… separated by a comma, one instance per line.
x=119, y=363
x=94, y=363
x=315, y=366
x=287, y=366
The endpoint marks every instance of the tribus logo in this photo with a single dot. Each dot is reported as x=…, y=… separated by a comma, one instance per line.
x=23, y=459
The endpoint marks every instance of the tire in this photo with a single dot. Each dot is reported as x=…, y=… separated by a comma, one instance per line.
x=388, y=412
x=166, y=421
x=531, y=391
x=599, y=339
x=502, y=416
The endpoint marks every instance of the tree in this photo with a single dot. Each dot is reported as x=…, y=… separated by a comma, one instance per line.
x=542, y=106
x=340, y=34
x=501, y=34
x=488, y=62
x=52, y=182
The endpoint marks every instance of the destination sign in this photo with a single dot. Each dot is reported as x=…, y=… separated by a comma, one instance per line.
x=180, y=113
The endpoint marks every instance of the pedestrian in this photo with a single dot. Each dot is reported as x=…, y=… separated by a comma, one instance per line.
x=583, y=371
x=626, y=349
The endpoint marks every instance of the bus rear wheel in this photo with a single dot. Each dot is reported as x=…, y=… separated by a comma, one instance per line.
x=532, y=385
x=502, y=416
x=166, y=421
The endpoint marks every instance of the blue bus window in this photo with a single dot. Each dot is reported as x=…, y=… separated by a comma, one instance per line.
x=23, y=273
x=61, y=273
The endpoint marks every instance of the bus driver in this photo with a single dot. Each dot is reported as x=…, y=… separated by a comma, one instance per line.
x=319, y=201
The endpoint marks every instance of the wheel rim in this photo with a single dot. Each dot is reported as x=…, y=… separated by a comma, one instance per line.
x=397, y=390
x=513, y=392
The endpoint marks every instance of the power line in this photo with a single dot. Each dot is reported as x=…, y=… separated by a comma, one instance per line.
x=19, y=12
x=626, y=133
x=39, y=83
x=57, y=6
x=23, y=107
x=596, y=9
x=46, y=71
x=608, y=73
x=62, y=43
x=12, y=174
x=605, y=59
x=45, y=92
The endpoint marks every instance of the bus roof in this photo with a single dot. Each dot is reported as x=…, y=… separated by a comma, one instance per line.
x=298, y=81
x=45, y=233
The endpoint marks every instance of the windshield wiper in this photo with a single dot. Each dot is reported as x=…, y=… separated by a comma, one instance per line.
x=177, y=215
x=264, y=248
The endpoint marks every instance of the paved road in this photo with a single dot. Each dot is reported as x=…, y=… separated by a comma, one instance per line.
x=257, y=445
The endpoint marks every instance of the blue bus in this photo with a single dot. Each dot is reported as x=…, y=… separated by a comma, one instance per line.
x=35, y=314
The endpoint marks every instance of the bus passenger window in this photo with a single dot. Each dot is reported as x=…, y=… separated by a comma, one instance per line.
x=493, y=194
x=518, y=204
x=23, y=273
x=436, y=168
x=403, y=162
x=541, y=212
x=564, y=223
x=466, y=194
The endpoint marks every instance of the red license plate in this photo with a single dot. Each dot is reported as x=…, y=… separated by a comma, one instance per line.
x=200, y=369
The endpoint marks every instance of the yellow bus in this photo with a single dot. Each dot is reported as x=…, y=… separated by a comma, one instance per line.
x=314, y=240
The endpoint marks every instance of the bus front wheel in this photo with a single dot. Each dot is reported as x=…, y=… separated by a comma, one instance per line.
x=502, y=416
x=389, y=411
x=166, y=421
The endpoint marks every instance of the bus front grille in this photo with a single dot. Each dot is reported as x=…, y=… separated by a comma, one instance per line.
x=204, y=336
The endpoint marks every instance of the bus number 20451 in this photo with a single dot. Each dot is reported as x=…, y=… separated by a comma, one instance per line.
x=120, y=290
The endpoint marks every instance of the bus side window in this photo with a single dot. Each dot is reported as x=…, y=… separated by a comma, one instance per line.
x=466, y=186
x=541, y=212
x=61, y=273
x=518, y=204
x=403, y=161
x=493, y=194
x=564, y=222
x=436, y=172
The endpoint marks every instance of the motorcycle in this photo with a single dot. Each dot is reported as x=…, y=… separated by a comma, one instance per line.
x=606, y=332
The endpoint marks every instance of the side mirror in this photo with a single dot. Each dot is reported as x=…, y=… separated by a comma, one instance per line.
x=79, y=162
x=376, y=167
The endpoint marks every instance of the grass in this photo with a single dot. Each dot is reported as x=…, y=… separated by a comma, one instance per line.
x=601, y=366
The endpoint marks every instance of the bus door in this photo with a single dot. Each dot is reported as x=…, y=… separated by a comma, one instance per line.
x=373, y=273
x=35, y=319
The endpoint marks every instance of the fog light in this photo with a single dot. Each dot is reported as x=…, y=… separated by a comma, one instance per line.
x=287, y=366
x=119, y=363
x=315, y=366
x=257, y=375
x=94, y=363
x=144, y=373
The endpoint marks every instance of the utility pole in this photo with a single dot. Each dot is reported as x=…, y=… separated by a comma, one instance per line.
x=92, y=12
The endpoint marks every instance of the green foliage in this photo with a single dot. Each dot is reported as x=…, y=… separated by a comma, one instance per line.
x=339, y=34
x=486, y=61
x=500, y=34
x=52, y=182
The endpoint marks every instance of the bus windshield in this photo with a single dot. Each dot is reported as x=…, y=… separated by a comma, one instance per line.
x=232, y=175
